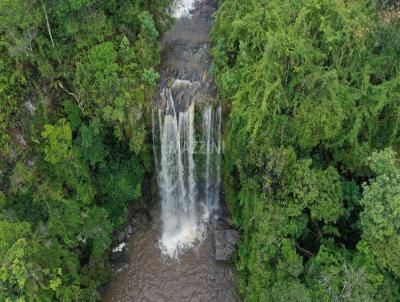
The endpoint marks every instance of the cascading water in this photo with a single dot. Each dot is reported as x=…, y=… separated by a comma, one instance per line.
x=187, y=197
x=176, y=176
x=187, y=147
x=212, y=151
x=182, y=8
x=188, y=168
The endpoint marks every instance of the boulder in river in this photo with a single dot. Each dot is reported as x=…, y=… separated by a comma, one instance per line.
x=119, y=257
x=121, y=236
x=225, y=243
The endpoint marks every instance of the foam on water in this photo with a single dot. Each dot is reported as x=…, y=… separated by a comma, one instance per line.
x=173, y=245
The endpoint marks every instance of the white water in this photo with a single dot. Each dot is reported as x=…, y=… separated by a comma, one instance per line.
x=182, y=8
x=187, y=198
x=212, y=151
x=207, y=144
x=176, y=181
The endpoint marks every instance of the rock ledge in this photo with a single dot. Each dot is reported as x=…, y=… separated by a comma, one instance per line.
x=225, y=243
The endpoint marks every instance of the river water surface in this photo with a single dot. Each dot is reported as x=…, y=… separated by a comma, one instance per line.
x=193, y=274
x=150, y=277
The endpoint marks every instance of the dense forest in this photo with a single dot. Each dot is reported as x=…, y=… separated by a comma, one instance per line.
x=311, y=91
x=76, y=79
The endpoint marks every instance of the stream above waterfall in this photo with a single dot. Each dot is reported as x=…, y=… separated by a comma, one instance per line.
x=174, y=258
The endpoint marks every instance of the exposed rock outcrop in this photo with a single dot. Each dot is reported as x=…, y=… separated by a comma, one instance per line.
x=225, y=243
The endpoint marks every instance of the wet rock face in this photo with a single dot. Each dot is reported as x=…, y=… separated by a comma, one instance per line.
x=225, y=244
x=119, y=256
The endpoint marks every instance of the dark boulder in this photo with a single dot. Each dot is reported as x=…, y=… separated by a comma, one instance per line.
x=121, y=236
x=225, y=243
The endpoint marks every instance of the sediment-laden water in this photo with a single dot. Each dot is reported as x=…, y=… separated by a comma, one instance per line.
x=174, y=260
x=150, y=277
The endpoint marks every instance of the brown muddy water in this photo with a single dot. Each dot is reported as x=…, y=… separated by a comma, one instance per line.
x=150, y=277
x=195, y=275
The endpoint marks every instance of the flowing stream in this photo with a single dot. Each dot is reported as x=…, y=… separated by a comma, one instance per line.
x=174, y=260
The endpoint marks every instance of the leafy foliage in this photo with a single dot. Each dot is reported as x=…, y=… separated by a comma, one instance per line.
x=75, y=80
x=380, y=219
x=311, y=89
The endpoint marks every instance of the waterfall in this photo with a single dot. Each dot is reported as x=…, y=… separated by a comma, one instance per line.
x=207, y=144
x=188, y=198
x=212, y=151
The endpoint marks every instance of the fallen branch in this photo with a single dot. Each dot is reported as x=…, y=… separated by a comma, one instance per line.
x=49, y=29
x=77, y=99
x=304, y=250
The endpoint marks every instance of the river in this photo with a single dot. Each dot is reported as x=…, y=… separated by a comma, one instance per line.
x=174, y=259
